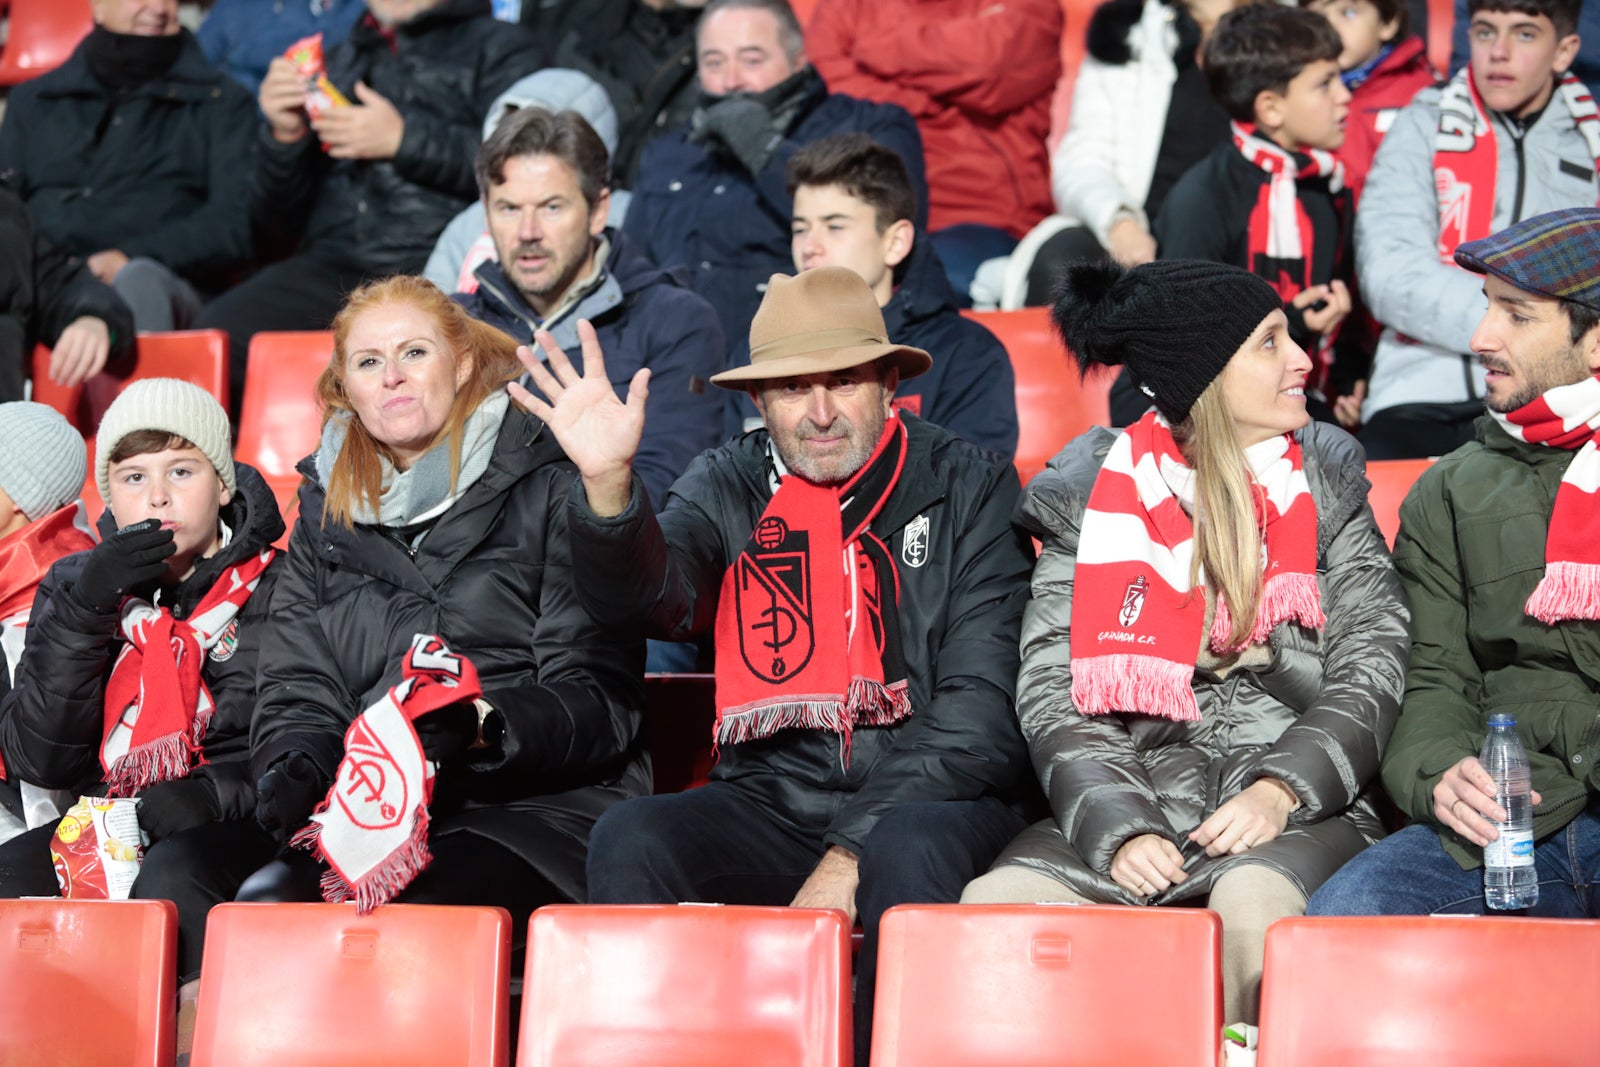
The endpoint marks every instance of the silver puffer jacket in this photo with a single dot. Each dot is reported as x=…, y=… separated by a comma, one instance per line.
x=1317, y=716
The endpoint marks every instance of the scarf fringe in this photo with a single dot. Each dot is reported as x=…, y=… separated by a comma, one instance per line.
x=163, y=759
x=1144, y=685
x=765, y=718
x=874, y=703
x=1289, y=597
x=1568, y=590
x=385, y=881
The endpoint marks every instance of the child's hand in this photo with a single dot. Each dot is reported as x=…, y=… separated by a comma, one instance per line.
x=1331, y=303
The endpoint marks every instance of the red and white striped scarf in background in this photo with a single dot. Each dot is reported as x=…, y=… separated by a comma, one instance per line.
x=1567, y=416
x=372, y=828
x=1466, y=157
x=157, y=705
x=1136, y=621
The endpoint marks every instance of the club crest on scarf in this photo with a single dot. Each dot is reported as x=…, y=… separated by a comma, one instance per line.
x=372, y=828
x=774, y=602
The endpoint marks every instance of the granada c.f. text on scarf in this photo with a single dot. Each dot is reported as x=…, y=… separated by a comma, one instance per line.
x=1466, y=157
x=1568, y=417
x=1136, y=621
x=808, y=624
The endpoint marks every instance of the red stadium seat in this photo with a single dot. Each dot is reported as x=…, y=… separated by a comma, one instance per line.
x=281, y=420
x=198, y=356
x=317, y=985
x=1441, y=28
x=87, y=982
x=41, y=35
x=686, y=986
x=1054, y=404
x=679, y=711
x=1048, y=985
x=1391, y=480
x=1468, y=991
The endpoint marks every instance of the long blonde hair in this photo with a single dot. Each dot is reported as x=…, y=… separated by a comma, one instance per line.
x=1227, y=532
x=358, y=470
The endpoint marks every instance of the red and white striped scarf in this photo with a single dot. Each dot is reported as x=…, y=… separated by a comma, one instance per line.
x=1136, y=621
x=1567, y=416
x=1466, y=157
x=372, y=828
x=157, y=705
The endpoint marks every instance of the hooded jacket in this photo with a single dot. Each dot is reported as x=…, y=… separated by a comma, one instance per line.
x=962, y=583
x=493, y=578
x=53, y=720
x=1317, y=717
x=1376, y=103
x=158, y=171
x=643, y=317
x=441, y=70
x=970, y=390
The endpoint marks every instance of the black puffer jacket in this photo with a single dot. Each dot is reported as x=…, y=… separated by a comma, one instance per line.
x=960, y=617
x=442, y=70
x=494, y=579
x=52, y=722
x=158, y=171
x=42, y=290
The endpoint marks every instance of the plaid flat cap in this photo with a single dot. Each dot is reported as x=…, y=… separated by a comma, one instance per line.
x=1554, y=254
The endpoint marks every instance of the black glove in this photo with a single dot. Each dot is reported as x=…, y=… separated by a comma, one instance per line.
x=287, y=794
x=745, y=127
x=168, y=807
x=446, y=734
x=133, y=557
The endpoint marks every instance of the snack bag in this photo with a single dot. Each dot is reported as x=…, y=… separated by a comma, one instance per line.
x=97, y=848
x=321, y=94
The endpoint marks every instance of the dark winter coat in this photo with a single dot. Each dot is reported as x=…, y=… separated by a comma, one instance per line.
x=970, y=390
x=1470, y=551
x=493, y=578
x=43, y=290
x=643, y=317
x=442, y=71
x=695, y=207
x=960, y=608
x=53, y=721
x=158, y=171
x=1316, y=717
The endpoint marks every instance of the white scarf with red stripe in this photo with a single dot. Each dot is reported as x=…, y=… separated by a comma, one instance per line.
x=1567, y=416
x=157, y=704
x=1136, y=621
x=372, y=829
x=1466, y=157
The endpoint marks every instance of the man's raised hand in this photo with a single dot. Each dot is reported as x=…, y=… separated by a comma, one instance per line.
x=599, y=433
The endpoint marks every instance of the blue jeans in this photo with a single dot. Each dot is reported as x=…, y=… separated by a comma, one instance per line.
x=1410, y=873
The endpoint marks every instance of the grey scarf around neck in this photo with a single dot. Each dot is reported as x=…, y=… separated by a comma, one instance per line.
x=422, y=491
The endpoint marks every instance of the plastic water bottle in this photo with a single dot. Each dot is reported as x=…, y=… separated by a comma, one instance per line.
x=1509, y=879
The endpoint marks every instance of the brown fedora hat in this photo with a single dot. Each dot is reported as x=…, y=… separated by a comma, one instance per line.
x=823, y=319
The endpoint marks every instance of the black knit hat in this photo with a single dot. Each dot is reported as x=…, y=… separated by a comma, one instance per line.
x=1173, y=323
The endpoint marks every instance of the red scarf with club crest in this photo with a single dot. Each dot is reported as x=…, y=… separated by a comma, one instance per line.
x=1136, y=621
x=808, y=624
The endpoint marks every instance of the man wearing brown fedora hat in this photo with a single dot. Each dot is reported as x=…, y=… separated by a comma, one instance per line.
x=866, y=589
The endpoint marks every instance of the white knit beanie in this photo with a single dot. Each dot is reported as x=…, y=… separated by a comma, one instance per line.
x=179, y=408
x=42, y=458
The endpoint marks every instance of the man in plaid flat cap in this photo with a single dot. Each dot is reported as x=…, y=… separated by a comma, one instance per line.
x=1499, y=551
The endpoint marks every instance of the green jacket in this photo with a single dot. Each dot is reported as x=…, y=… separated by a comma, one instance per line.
x=1469, y=553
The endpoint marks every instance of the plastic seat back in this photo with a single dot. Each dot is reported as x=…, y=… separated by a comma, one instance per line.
x=1054, y=404
x=280, y=420
x=87, y=981
x=41, y=35
x=1030, y=985
x=686, y=986
x=1468, y=991
x=1391, y=480
x=316, y=985
x=198, y=356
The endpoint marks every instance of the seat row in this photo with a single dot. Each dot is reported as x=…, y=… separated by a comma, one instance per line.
x=706, y=985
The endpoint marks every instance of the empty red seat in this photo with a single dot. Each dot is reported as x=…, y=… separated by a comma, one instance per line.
x=686, y=986
x=1391, y=480
x=87, y=982
x=317, y=985
x=40, y=36
x=1468, y=991
x=1048, y=985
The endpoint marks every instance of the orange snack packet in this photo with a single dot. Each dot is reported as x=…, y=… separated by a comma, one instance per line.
x=321, y=94
x=97, y=848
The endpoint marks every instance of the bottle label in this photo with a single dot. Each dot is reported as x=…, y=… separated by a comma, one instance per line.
x=1510, y=849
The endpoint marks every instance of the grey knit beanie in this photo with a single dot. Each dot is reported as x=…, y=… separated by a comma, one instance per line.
x=42, y=458
x=1174, y=323
x=179, y=408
